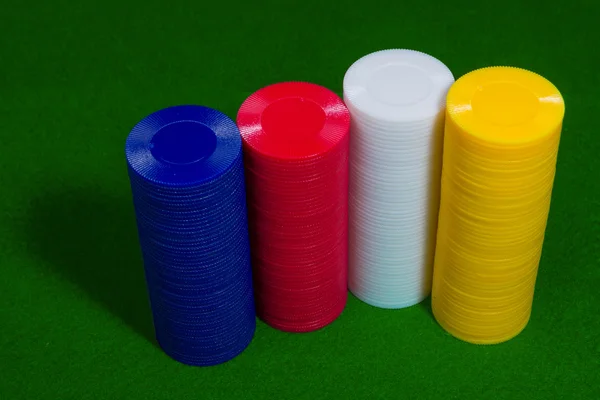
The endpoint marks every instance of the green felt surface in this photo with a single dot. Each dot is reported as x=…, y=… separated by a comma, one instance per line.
x=75, y=76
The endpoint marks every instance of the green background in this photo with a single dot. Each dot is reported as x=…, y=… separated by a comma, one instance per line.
x=76, y=76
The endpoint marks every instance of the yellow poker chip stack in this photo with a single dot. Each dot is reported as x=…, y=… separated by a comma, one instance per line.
x=502, y=135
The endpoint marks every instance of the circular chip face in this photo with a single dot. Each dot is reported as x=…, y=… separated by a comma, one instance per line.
x=183, y=145
x=397, y=85
x=505, y=105
x=293, y=120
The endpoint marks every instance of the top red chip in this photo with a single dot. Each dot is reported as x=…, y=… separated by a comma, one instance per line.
x=293, y=120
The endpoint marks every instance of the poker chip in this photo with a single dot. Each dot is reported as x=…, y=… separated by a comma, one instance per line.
x=396, y=100
x=186, y=172
x=295, y=139
x=502, y=135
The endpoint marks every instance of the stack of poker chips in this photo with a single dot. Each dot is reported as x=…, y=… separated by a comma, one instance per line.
x=502, y=135
x=396, y=100
x=187, y=180
x=296, y=158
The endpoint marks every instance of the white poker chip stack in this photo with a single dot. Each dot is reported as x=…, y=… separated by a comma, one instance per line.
x=396, y=100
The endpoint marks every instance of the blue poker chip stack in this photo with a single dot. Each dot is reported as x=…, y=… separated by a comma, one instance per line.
x=187, y=181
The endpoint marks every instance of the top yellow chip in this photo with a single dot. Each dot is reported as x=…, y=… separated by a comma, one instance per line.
x=505, y=106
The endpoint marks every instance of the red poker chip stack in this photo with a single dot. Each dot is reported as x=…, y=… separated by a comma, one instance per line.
x=296, y=139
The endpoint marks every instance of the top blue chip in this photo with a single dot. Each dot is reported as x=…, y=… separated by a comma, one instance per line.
x=183, y=146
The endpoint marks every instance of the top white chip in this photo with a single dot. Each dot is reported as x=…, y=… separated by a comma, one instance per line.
x=397, y=85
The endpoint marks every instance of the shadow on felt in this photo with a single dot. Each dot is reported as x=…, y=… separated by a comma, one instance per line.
x=90, y=238
x=426, y=306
